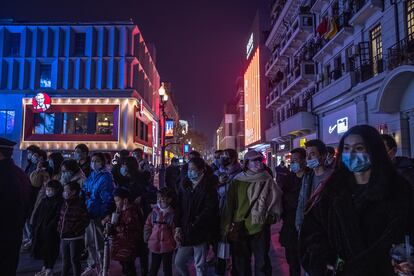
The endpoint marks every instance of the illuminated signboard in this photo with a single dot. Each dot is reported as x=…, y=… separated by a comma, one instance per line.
x=186, y=148
x=252, y=123
x=249, y=46
x=337, y=123
x=169, y=128
x=41, y=102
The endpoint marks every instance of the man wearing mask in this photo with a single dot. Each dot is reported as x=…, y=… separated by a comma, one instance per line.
x=119, y=179
x=30, y=167
x=404, y=165
x=316, y=153
x=172, y=175
x=197, y=213
x=14, y=206
x=216, y=162
x=291, y=187
x=82, y=156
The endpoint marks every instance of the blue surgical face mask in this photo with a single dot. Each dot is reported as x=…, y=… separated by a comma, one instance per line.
x=193, y=175
x=294, y=167
x=123, y=171
x=356, y=162
x=312, y=163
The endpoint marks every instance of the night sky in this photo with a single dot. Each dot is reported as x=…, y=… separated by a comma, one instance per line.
x=200, y=43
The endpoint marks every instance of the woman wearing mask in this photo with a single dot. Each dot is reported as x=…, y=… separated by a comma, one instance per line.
x=70, y=171
x=254, y=201
x=364, y=208
x=55, y=161
x=197, y=214
x=97, y=191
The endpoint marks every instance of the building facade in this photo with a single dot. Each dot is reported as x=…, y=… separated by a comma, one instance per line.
x=339, y=63
x=226, y=134
x=101, y=79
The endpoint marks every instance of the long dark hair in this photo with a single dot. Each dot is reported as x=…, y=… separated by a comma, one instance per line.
x=57, y=159
x=380, y=161
x=132, y=165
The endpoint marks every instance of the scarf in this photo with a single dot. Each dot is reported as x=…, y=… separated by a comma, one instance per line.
x=269, y=196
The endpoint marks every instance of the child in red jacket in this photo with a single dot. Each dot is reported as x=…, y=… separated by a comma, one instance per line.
x=159, y=233
x=125, y=232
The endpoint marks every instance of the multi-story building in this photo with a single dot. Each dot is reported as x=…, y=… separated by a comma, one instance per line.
x=291, y=73
x=354, y=66
x=255, y=83
x=226, y=137
x=240, y=115
x=101, y=79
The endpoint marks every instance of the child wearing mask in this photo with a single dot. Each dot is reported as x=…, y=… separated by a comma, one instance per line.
x=159, y=233
x=46, y=237
x=125, y=232
x=72, y=224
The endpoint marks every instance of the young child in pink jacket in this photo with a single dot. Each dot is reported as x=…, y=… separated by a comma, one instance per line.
x=159, y=233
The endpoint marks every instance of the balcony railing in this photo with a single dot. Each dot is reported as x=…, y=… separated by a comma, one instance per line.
x=361, y=10
x=401, y=53
x=370, y=69
x=277, y=9
x=324, y=46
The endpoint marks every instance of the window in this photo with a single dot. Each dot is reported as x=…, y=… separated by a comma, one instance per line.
x=80, y=39
x=410, y=19
x=73, y=123
x=45, y=75
x=230, y=129
x=14, y=44
x=376, y=49
x=6, y=121
x=104, y=123
x=44, y=123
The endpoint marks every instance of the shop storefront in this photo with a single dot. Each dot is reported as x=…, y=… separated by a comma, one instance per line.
x=335, y=124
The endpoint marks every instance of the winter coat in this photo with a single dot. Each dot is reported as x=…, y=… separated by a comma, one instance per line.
x=39, y=177
x=73, y=219
x=45, y=235
x=358, y=224
x=14, y=209
x=125, y=235
x=159, y=230
x=405, y=167
x=140, y=187
x=223, y=188
x=86, y=167
x=197, y=210
x=291, y=188
x=98, y=189
x=31, y=167
x=172, y=176
x=40, y=196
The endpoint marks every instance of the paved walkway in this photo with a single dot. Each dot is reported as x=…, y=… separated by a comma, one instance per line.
x=28, y=266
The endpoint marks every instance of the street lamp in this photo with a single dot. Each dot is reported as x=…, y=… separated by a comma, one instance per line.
x=163, y=100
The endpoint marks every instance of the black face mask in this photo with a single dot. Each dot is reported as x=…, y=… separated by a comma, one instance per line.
x=224, y=161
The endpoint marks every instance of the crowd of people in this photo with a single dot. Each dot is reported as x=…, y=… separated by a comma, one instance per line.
x=343, y=210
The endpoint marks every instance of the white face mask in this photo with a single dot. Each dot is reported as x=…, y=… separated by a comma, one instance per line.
x=65, y=177
x=96, y=166
x=66, y=195
x=50, y=193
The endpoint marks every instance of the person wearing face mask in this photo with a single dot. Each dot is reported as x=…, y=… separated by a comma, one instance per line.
x=254, y=201
x=364, y=208
x=71, y=228
x=216, y=163
x=119, y=179
x=71, y=172
x=30, y=167
x=55, y=162
x=197, y=216
x=81, y=155
x=315, y=160
x=159, y=233
x=97, y=190
x=403, y=165
x=45, y=235
x=291, y=187
x=125, y=232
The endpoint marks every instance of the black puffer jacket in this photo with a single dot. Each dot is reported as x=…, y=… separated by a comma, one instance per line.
x=73, y=219
x=358, y=224
x=405, y=167
x=198, y=209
